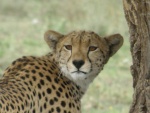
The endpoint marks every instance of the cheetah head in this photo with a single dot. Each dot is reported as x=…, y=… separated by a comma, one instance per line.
x=81, y=55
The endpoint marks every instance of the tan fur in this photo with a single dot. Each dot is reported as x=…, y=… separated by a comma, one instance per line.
x=52, y=83
x=81, y=41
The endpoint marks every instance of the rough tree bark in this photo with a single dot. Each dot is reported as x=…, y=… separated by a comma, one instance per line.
x=137, y=13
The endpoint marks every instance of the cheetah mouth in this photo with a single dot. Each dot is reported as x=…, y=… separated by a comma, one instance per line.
x=79, y=72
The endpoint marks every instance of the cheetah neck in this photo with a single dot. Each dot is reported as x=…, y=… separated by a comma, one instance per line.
x=82, y=83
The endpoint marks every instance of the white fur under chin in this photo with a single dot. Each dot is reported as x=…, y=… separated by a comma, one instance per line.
x=81, y=79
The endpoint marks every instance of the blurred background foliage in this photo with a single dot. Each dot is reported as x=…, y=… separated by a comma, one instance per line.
x=23, y=23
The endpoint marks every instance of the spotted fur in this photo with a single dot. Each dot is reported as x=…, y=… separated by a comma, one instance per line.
x=45, y=84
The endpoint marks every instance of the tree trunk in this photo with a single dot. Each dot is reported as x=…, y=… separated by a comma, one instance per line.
x=137, y=13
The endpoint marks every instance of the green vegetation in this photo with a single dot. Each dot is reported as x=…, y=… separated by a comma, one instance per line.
x=23, y=23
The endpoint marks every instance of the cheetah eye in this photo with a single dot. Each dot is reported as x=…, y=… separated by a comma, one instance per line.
x=68, y=47
x=92, y=48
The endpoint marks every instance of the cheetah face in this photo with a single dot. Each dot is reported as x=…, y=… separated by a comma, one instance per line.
x=82, y=55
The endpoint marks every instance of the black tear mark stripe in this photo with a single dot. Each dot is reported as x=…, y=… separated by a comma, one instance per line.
x=60, y=50
x=88, y=52
x=71, y=52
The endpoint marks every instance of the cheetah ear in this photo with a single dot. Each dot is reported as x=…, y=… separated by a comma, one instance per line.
x=115, y=42
x=51, y=38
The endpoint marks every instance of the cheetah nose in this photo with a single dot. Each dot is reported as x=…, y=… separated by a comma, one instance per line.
x=78, y=63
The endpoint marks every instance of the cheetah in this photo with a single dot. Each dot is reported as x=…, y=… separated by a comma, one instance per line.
x=56, y=82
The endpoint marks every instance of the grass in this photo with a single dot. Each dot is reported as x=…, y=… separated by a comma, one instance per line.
x=23, y=24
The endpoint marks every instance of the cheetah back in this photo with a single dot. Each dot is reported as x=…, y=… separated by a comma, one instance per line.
x=35, y=84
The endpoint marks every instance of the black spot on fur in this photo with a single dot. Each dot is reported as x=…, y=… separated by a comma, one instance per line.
x=50, y=71
x=42, y=82
x=58, y=110
x=36, y=67
x=57, y=93
x=49, y=90
x=51, y=102
x=63, y=103
x=41, y=75
x=33, y=71
x=48, y=78
x=34, y=78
